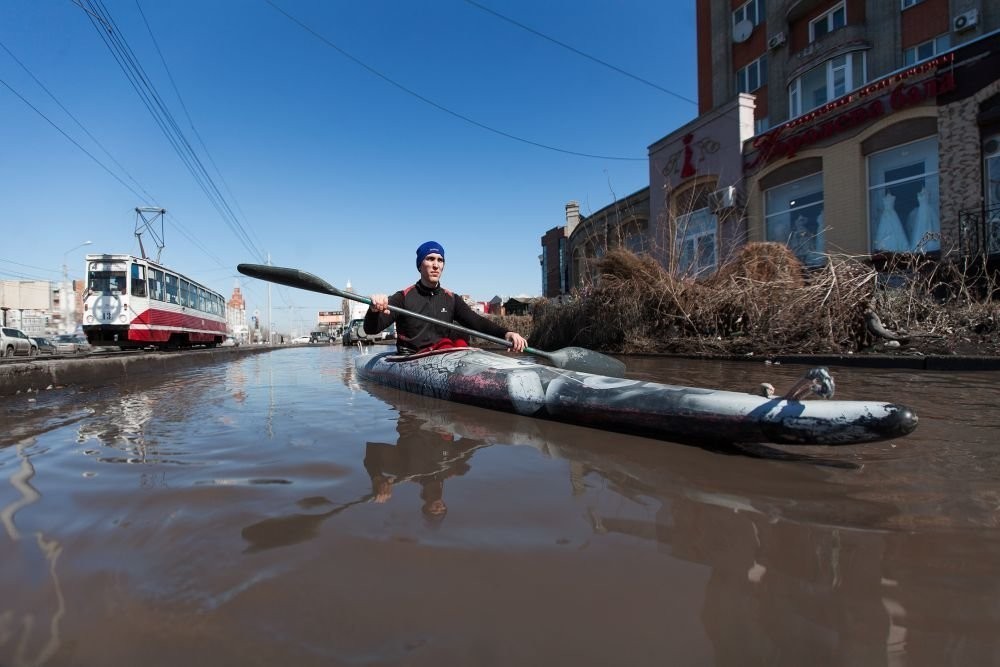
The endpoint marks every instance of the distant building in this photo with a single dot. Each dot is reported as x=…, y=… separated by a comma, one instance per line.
x=236, y=316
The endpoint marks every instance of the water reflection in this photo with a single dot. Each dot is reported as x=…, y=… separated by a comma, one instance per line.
x=801, y=568
x=18, y=627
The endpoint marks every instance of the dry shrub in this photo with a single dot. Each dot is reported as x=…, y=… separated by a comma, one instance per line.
x=765, y=302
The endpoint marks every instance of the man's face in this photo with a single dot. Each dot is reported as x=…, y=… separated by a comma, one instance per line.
x=431, y=268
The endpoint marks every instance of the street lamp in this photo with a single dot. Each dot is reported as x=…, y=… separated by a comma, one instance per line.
x=66, y=268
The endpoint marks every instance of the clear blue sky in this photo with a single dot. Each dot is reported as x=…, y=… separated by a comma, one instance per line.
x=338, y=141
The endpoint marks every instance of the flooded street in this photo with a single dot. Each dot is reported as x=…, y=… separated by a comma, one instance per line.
x=274, y=510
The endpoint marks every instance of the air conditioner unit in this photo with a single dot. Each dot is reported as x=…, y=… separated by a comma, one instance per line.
x=776, y=40
x=965, y=21
x=724, y=198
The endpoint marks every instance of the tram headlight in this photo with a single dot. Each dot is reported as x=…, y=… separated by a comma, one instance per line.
x=90, y=319
x=122, y=318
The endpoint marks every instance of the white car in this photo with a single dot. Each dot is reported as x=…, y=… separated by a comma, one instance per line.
x=16, y=342
x=300, y=339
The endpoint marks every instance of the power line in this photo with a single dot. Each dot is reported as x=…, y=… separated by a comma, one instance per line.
x=440, y=107
x=580, y=53
x=129, y=63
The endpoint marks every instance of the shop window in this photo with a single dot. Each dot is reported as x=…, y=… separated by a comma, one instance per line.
x=696, y=242
x=753, y=76
x=927, y=50
x=752, y=11
x=903, y=198
x=826, y=82
x=991, y=173
x=793, y=214
x=832, y=20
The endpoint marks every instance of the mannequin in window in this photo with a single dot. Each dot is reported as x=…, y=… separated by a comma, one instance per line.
x=889, y=233
x=803, y=239
x=921, y=221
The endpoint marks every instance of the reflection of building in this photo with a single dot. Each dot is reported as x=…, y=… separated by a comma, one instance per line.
x=848, y=126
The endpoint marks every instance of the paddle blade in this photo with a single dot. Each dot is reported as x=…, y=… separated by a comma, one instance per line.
x=586, y=361
x=289, y=277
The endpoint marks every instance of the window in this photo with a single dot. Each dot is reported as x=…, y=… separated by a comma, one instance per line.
x=752, y=11
x=761, y=125
x=910, y=3
x=138, y=280
x=753, y=76
x=793, y=214
x=826, y=82
x=696, y=233
x=903, y=198
x=927, y=50
x=156, y=284
x=170, y=282
x=991, y=172
x=832, y=20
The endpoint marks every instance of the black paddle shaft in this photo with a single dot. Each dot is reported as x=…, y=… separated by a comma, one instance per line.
x=572, y=358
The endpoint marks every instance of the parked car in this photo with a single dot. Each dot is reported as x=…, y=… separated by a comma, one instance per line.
x=298, y=340
x=229, y=342
x=354, y=332
x=71, y=344
x=45, y=346
x=16, y=342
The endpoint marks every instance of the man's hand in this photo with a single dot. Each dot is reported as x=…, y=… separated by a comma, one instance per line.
x=379, y=304
x=519, y=341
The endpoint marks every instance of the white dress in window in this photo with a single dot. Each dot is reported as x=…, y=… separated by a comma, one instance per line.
x=889, y=233
x=923, y=220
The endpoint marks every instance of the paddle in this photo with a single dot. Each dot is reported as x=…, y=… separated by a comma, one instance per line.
x=570, y=358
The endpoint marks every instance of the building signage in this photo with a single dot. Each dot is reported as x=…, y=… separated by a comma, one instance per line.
x=866, y=107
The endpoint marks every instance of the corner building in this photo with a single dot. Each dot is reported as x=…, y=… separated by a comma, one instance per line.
x=876, y=123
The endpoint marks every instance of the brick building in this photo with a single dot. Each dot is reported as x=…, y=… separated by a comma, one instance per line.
x=865, y=127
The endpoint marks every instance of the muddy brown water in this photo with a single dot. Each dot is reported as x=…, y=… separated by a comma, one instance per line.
x=274, y=510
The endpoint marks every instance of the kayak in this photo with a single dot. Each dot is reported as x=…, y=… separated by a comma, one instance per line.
x=670, y=412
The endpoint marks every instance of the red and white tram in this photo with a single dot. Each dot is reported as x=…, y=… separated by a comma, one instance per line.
x=132, y=302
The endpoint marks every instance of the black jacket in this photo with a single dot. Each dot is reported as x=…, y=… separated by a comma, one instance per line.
x=413, y=335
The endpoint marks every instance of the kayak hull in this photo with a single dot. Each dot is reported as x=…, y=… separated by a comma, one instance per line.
x=683, y=414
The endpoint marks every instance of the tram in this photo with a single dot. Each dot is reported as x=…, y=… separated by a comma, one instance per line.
x=134, y=302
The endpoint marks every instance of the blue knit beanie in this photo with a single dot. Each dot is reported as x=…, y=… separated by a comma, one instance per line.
x=428, y=248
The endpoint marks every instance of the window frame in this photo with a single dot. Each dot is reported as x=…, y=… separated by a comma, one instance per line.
x=743, y=75
x=707, y=228
x=827, y=17
x=906, y=4
x=813, y=256
x=930, y=147
x=850, y=68
x=760, y=12
x=936, y=49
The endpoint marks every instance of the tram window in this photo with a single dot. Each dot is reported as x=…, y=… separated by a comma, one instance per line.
x=170, y=283
x=185, y=293
x=156, y=284
x=138, y=280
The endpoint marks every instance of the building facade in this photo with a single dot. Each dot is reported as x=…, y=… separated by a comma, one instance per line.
x=860, y=127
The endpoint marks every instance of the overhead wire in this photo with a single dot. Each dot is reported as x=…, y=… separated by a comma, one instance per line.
x=580, y=53
x=436, y=105
x=129, y=63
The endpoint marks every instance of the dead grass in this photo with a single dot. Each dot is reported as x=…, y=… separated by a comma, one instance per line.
x=766, y=302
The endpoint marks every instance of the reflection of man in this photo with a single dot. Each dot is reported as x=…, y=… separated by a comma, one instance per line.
x=427, y=457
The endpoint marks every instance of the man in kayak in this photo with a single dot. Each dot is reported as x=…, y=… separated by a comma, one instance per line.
x=427, y=297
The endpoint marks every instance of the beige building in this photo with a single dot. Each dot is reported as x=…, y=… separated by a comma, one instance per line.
x=864, y=127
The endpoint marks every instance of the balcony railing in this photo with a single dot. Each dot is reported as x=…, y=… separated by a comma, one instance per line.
x=979, y=231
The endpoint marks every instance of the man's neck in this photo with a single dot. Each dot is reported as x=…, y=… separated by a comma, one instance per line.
x=430, y=286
